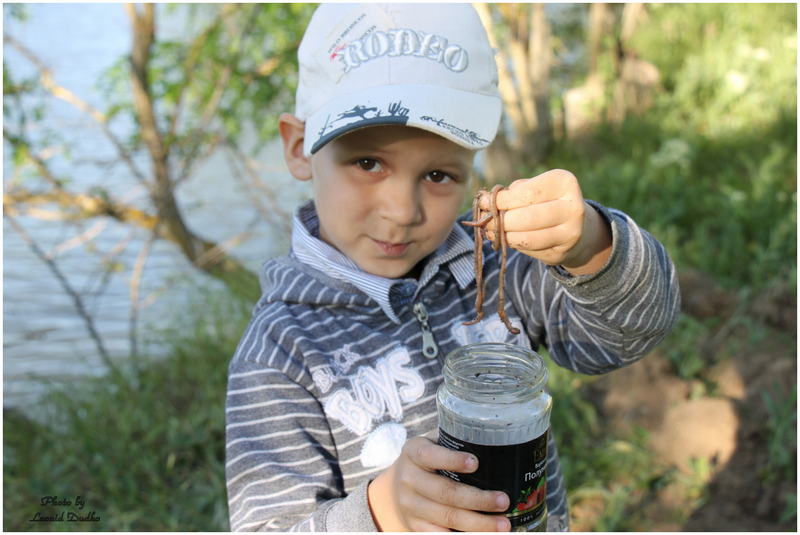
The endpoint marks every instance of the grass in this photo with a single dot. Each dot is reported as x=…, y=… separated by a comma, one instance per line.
x=614, y=479
x=782, y=428
x=712, y=201
x=145, y=452
x=599, y=467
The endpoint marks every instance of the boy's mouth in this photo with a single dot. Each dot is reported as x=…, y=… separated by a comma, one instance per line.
x=392, y=249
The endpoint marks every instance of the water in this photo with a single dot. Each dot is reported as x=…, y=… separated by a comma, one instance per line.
x=43, y=335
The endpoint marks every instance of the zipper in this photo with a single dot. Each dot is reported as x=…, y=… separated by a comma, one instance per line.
x=429, y=347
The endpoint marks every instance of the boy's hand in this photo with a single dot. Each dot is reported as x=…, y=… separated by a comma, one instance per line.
x=548, y=219
x=411, y=496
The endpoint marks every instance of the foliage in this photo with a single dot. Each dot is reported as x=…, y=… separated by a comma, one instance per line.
x=711, y=204
x=146, y=453
x=712, y=169
x=682, y=347
x=782, y=427
x=251, y=47
x=171, y=103
x=705, y=41
x=596, y=463
x=791, y=508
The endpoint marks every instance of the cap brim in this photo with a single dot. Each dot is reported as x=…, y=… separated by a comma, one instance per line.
x=466, y=118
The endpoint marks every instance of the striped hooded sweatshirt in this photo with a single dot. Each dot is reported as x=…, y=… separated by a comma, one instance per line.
x=333, y=373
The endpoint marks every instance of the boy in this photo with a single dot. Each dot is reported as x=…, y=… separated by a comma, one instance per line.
x=332, y=388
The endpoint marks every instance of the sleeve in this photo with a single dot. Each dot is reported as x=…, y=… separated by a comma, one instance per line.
x=596, y=323
x=281, y=465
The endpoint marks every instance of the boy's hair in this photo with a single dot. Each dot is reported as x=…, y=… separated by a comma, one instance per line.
x=428, y=66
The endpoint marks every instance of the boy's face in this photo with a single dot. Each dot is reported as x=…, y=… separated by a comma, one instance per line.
x=388, y=196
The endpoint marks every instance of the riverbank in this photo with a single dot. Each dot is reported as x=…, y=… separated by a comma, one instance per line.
x=144, y=451
x=699, y=436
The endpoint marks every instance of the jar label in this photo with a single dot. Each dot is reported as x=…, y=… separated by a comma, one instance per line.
x=519, y=470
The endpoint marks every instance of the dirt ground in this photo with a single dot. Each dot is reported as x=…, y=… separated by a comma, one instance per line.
x=719, y=419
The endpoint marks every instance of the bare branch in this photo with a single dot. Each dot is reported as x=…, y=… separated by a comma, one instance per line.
x=76, y=299
x=214, y=254
x=105, y=268
x=143, y=37
x=162, y=193
x=631, y=14
x=136, y=277
x=506, y=84
x=81, y=239
x=19, y=200
x=272, y=214
x=196, y=159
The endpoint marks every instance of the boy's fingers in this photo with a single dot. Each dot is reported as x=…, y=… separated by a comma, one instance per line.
x=425, y=454
x=539, y=216
x=548, y=245
x=443, y=490
x=548, y=186
x=429, y=512
x=464, y=520
x=423, y=525
x=448, y=503
x=471, y=521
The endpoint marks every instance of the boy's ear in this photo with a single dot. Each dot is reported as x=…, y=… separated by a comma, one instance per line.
x=292, y=132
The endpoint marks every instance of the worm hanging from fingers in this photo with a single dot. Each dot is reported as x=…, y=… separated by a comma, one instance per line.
x=476, y=213
x=500, y=243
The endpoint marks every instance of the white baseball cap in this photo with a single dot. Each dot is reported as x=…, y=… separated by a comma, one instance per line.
x=429, y=66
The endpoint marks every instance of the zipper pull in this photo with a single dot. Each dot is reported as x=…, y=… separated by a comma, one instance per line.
x=429, y=347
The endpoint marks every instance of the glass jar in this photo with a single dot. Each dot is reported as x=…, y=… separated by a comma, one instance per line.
x=493, y=404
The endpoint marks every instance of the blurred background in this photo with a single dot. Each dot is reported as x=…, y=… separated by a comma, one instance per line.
x=143, y=187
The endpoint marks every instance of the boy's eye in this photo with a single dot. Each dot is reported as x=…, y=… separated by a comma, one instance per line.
x=368, y=164
x=438, y=177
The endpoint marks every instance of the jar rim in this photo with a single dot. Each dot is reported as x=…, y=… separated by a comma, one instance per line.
x=495, y=367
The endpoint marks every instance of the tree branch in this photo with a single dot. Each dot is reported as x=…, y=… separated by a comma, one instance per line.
x=48, y=83
x=505, y=81
x=136, y=277
x=162, y=193
x=19, y=200
x=274, y=213
x=219, y=89
x=76, y=299
x=188, y=69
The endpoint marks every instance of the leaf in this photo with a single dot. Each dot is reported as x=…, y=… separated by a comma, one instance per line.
x=790, y=511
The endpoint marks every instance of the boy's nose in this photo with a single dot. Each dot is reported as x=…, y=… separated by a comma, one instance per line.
x=400, y=202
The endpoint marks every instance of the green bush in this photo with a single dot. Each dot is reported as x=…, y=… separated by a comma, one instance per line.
x=145, y=452
x=782, y=429
x=596, y=462
x=711, y=170
x=727, y=206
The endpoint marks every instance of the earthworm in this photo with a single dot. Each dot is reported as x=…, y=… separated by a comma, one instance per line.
x=501, y=302
x=500, y=242
x=499, y=230
x=476, y=212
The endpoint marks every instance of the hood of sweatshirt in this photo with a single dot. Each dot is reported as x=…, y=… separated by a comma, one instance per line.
x=315, y=273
